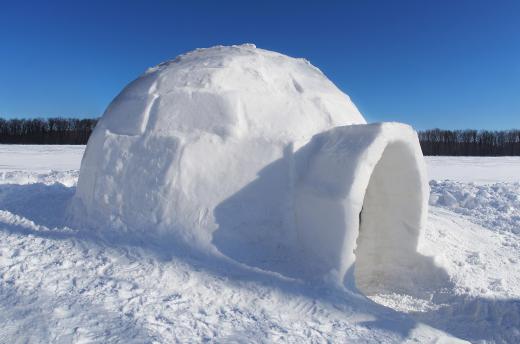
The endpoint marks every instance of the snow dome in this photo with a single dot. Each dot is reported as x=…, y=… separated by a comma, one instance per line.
x=256, y=156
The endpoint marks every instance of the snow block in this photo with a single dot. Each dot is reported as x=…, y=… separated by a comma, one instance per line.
x=362, y=198
x=250, y=154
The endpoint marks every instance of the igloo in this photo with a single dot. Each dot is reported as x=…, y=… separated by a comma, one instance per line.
x=257, y=157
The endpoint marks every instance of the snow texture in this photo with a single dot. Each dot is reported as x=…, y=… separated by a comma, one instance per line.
x=63, y=284
x=495, y=206
x=257, y=156
x=29, y=164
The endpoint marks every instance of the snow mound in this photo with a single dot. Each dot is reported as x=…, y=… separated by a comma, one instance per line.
x=495, y=206
x=219, y=149
x=67, y=178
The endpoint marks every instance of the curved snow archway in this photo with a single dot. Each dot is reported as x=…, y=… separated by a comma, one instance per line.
x=362, y=199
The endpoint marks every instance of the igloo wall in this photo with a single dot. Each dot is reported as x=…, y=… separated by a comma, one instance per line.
x=255, y=155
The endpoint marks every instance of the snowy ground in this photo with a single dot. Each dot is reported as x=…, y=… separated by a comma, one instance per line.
x=61, y=284
x=475, y=169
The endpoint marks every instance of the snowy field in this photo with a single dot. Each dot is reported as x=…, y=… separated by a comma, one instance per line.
x=61, y=284
x=480, y=170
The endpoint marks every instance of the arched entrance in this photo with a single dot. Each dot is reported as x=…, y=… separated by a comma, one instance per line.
x=390, y=221
x=377, y=171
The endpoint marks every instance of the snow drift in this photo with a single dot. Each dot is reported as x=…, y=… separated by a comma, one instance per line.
x=260, y=157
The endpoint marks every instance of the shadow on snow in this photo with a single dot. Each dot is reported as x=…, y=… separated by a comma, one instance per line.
x=469, y=318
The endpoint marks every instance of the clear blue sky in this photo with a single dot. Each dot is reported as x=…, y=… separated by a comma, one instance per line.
x=447, y=64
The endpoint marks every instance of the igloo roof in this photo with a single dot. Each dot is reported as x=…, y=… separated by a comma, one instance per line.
x=231, y=91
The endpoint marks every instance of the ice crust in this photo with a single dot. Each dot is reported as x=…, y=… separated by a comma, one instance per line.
x=257, y=156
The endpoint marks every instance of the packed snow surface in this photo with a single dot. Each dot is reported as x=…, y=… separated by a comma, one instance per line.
x=60, y=284
x=483, y=170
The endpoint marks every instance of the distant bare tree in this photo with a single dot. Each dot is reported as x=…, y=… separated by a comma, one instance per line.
x=433, y=142
x=46, y=131
x=470, y=142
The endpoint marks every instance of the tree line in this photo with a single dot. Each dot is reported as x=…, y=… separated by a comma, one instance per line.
x=433, y=142
x=470, y=142
x=51, y=131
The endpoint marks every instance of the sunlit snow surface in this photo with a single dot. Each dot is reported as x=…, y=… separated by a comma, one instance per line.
x=61, y=284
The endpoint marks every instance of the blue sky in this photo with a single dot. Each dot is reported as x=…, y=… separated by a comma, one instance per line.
x=447, y=64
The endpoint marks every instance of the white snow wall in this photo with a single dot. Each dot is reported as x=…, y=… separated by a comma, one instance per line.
x=218, y=150
x=353, y=194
